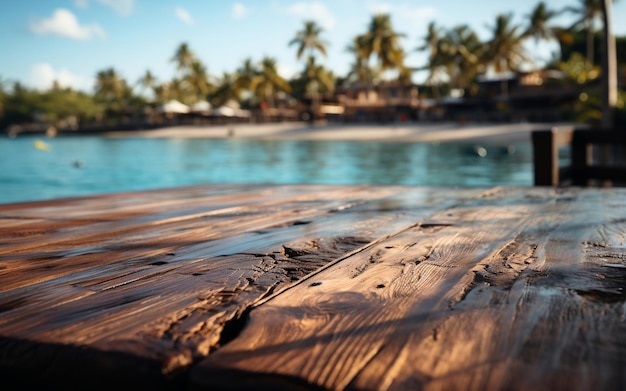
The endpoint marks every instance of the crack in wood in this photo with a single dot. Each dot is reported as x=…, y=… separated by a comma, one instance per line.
x=500, y=271
x=210, y=318
x=612, y=256
x=424, y=258
x=603, y=295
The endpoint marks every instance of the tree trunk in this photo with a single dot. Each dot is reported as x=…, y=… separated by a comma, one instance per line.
x=590, y=38
x=609, y=67
x=607, y=154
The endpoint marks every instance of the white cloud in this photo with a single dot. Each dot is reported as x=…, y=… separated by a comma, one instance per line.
x=122, y=7
x=315, y=11
x=42, y=75
x=239, y=11
x=63, y=23
x=184, y=16
x=81, y=3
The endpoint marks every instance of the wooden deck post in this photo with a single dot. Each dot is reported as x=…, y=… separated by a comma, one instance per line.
x=581, y=160
x=546, y=144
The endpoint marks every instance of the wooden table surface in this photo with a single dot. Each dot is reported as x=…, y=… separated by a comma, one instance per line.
x=316, y=287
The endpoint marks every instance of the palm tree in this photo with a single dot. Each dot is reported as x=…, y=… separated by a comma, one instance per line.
x=538, y=26
x=431, y=40
x=609, y=66
x=505, y=50
x=314, y=81
x=382, y=41
x=362, y=73
x=269, y=82
x=316, y=78
x=360, y=70
x=405, y=75
x=179, y=90
x=147, y=81
x=162, y=93
x=588, y=11
x=309, y=39
x=197, y=80
x=109, y=85
x=174, y=89
x=358, y=48
x=247, y=78
x=112, y=90
x=247, y=74
x=436, y=57
x=228, y=88
x=460, y=53
x=538, y=23
x=183, y=57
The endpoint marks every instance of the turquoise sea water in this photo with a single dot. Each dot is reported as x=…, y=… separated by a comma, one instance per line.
x=75, y=166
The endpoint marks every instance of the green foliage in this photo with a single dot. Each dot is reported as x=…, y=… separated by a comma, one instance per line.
x=183, y=57
x=578, y=69
x=381, y=41
x=505, y=51
x=575, y=41
x=314, y=80
x=539, y=23
x=309, y=39
x=53, y=107
x=228, y=88
x=456, y=56
x=110, y=86
x=268, y=82
x=588, y=107
x=360, y=70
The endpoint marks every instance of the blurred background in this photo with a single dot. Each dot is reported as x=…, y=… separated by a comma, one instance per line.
x=89, y=67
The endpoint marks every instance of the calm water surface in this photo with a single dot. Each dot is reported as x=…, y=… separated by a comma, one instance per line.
x=112, y=165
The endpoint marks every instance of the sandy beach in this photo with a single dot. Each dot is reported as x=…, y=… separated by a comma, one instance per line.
x=422, y=132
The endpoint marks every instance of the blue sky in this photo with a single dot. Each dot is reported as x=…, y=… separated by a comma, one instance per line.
x=70, y=40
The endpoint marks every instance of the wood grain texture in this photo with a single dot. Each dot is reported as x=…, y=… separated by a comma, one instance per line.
x=518, y=289
x=133, y=289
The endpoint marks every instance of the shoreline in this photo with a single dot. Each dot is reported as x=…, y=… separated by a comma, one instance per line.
x=496, y=133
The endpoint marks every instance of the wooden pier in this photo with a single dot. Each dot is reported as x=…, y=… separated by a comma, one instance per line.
x=316, y=287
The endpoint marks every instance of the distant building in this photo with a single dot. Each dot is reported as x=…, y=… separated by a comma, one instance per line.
x=384, y=102
x=537, y=96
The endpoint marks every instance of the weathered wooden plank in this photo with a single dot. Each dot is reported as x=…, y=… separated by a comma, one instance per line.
x=517, y=290
x=158, y=234
x=82, y=219
x=516, y=324
x=145, y=243
x=161, y=294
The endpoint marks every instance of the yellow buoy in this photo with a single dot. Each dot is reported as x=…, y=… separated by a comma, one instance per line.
x=40, y=145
